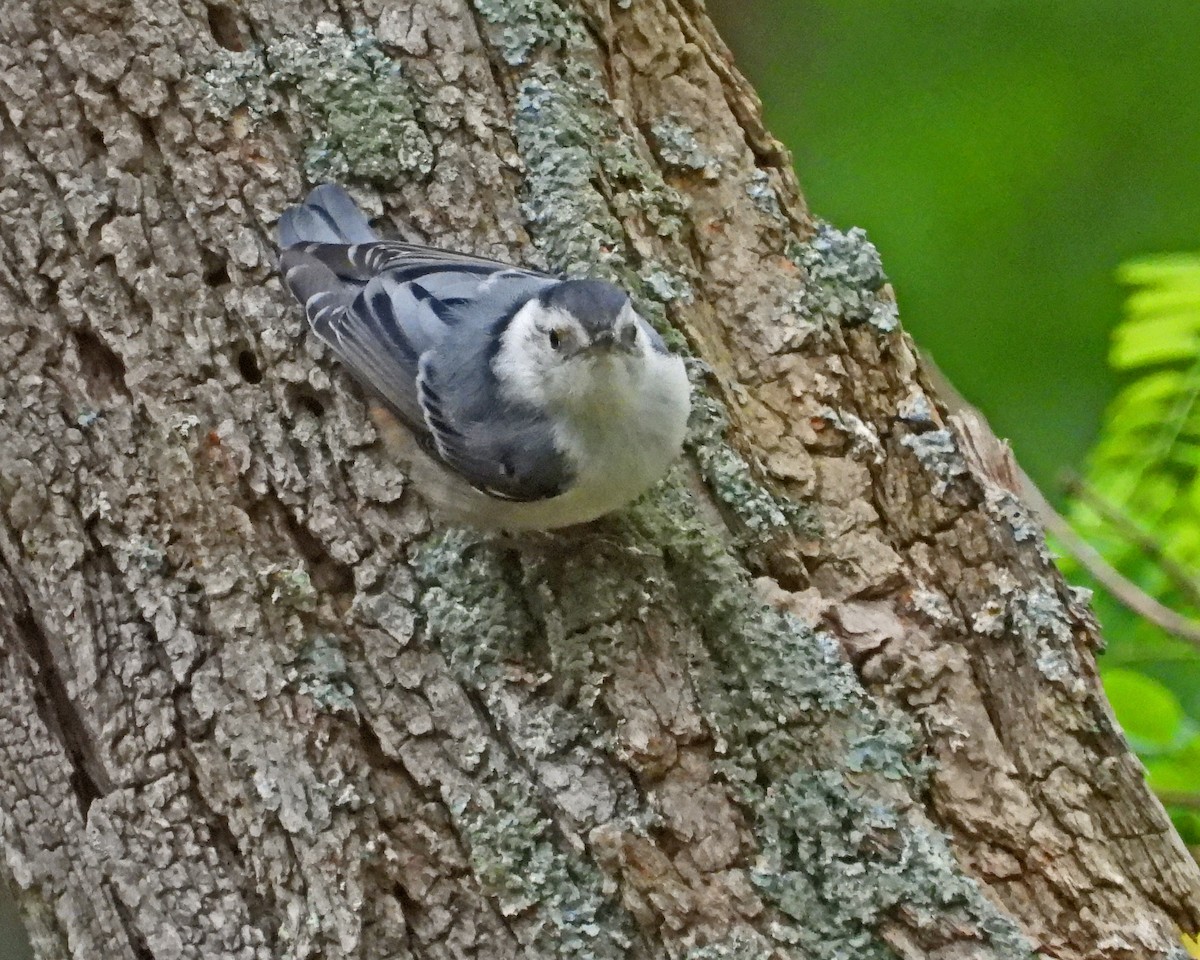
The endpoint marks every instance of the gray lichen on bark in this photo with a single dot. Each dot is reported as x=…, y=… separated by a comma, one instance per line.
x=359, y=109
x=820, y=694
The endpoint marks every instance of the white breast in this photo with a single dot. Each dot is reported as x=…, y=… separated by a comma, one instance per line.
x=621, y=438
x=622, y=441
x=625, y=443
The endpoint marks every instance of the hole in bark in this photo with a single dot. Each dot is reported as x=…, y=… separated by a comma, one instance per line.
x=306, y=401
x=217, y=275
x=223, y=24
x=149, y=141
x=84, y=788
x=311, y=403
x=99, y=366
x=248, y=367
x=95, y=140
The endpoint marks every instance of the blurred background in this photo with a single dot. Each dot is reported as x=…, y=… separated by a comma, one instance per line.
x=1007, y=156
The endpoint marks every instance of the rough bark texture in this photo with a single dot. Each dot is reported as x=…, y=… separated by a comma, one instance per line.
x=821, y=695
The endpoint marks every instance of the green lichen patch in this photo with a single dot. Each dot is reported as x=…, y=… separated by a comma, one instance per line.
x=843, y=280
x=666, y=286
x=788, y=672
x=553, y=895
x=471, y=611
x=570, y=141
x=763, y=195
x=837, y=864
x=1045, y=624
x=938, y=453
x=558, y=898
x=740, y=945
x=147, y=555
x=357, y=108
x=527, y=25
x=290, y=587
x=487, y=624
x=1007, y=507
x=321, y=673
x=731, y=479
x=678, y=147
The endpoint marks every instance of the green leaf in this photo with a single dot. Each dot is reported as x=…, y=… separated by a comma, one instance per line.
x=1187, y=822
x=1149, y=712
x=1146, y=467
x=1153, y=268
x=1152, y=343
x=1176, y=772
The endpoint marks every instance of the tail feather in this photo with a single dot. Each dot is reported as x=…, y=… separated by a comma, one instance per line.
x=307, y=277
x=328, y=215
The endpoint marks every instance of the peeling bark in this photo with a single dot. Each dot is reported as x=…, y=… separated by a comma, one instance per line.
x=822, y=694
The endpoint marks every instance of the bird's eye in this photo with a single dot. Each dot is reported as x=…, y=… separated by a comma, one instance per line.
x=555, y=340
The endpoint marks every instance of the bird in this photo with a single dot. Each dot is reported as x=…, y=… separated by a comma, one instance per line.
x=518, y=400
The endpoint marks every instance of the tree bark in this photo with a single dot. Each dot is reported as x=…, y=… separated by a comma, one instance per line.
x=823, y=694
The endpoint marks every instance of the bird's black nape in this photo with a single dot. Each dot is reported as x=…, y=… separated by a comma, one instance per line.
x=594, y=303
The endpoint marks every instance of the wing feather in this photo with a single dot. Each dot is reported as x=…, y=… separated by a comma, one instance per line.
x=502, y=450
x=415, y=324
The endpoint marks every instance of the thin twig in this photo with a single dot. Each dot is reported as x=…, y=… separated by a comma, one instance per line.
x=1123, y=590
x=1128, y=528
x=1179, y=798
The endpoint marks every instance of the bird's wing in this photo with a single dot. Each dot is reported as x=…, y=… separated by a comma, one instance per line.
x=417, y=325
x=329, y=226
x=381, y=325
x=503, y=449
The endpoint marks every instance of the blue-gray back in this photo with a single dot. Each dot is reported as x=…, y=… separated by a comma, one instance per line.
x=418, y=326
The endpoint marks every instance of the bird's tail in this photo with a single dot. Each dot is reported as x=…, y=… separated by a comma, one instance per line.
x=327, y=215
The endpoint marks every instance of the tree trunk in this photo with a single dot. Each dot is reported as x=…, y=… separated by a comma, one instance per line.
x=821, y=695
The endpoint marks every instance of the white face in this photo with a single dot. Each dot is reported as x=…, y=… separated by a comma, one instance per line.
x=548, y=358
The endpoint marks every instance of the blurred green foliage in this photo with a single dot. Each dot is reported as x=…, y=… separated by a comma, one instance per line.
x=1140, y=507
x=1005, y=156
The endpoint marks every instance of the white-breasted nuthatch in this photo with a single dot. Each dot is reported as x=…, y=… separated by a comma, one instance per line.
x=535, y=401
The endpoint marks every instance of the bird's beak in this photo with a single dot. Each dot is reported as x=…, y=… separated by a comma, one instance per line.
x=603, y=342
x=609, y=342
